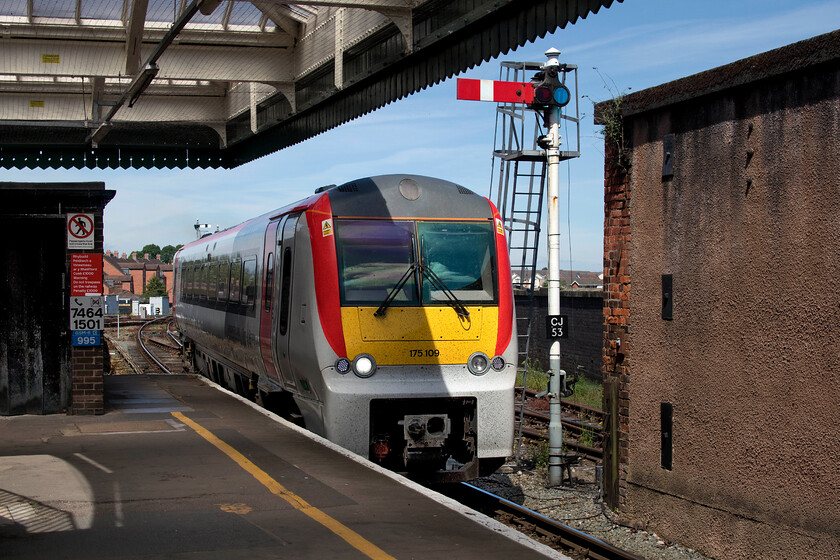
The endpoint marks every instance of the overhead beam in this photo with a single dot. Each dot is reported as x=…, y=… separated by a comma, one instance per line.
x=144, y=77
x=179, y=62
x=364, y=4
x=134, y=35
x=281, y=17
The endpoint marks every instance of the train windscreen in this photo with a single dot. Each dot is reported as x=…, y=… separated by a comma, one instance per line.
x=379, y=258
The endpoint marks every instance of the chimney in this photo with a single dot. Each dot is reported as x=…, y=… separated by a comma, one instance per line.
x=134, y=256
x=123, y=256
x=157, y=257
x=146, y=256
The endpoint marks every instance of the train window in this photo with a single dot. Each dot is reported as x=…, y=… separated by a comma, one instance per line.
x=268, y=287
x=249, y=281
x=222, y=282
x=461, y=255
x=187, y=280
x=373, y=256
x=286, y=290
x=202, y=282
x=235, y=280
x=212, y=280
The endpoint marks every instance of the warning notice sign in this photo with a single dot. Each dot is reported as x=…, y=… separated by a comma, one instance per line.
x=85, y=274
x=79, y=231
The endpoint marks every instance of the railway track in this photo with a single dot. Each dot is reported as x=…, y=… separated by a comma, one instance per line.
x=153, y=349
x=582, y=425
x=554, y=534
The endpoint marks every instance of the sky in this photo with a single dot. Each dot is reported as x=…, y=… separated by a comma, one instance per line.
x=626, y=48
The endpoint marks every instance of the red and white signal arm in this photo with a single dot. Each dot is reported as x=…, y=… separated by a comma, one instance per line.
x=548, y=92
x=492, y=90
x=79, y=231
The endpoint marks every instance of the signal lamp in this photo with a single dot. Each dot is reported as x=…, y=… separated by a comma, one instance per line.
x=548, y=91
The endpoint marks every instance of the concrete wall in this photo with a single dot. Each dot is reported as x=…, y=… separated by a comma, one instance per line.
x=748, y=228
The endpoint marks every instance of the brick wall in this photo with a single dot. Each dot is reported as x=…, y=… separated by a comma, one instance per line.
x=583, y=347
x=87, y=389
x=86, y=385
x=616, y=310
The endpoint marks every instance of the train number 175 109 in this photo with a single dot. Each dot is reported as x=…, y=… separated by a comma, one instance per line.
x=427, y=353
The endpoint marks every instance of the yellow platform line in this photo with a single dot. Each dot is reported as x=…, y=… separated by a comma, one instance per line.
x=354, y=539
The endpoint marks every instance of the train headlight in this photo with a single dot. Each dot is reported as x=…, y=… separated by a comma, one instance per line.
x=342, y=365
x=364, y=365
x=478, y=364
x=497, y=363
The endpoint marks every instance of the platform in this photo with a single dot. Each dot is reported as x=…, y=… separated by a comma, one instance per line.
x=179, y=468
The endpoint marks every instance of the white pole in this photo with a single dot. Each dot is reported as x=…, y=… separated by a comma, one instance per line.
x=557, y=381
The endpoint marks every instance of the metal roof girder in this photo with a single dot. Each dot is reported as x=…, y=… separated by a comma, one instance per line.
x=282, y=17
x=134, y=35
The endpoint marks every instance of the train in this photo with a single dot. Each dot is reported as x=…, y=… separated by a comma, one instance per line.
x=377, y=313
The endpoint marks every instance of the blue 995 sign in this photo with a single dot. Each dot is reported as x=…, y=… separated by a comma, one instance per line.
x=86, y=338
x=556, y=326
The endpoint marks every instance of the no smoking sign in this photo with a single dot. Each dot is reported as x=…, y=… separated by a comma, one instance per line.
x=80, y=231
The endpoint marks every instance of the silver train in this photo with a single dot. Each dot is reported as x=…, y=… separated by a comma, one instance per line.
x=378, y=314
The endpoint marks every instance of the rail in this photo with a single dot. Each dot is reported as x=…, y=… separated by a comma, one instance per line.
x=543, y=529
x=148, y=353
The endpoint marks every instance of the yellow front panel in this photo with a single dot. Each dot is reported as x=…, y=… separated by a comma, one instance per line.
x=419, y=335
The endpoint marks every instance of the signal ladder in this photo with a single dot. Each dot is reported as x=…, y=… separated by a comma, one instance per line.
x=519, y=184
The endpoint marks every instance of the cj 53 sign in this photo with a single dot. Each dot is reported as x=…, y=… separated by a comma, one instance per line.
x=87, y=313
x=556, y=326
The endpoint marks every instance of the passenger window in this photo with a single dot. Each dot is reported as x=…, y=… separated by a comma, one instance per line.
x=213, y=278
x=202, y=285
x=221, y=284
x=235, y=280
x=269, y=281
x=286, y=290
x=249, y=281
x=187, y=280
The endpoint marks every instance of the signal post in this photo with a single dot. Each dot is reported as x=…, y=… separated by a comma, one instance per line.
x=547, y=94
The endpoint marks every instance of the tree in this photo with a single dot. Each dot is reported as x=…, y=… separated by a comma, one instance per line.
x=168, y=253
x=154, y=287
x=151, y=249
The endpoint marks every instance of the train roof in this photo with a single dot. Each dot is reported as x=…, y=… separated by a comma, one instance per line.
x=398, y=196
x=383, y=196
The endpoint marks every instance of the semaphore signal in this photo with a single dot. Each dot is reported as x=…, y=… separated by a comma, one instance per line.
x=544, y=91
x=547, y=95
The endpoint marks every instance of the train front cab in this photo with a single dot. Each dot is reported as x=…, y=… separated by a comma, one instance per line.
x=430, y=347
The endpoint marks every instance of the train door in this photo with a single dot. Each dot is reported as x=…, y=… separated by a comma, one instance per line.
x=284, y=292
x=266, y=310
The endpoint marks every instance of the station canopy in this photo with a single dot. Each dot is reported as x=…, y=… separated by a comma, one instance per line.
x=211, y=83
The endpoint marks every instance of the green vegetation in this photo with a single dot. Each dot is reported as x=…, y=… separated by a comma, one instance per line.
x=154, y=287
x=588, y=437
x=540, y=456
x=166, y=253
x=537, y=379
x=588, y=393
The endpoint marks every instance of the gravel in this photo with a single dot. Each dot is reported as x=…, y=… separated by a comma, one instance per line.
x=579, y=506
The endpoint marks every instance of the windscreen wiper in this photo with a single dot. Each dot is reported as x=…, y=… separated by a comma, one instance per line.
x=452, y=299
x=396, y=290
